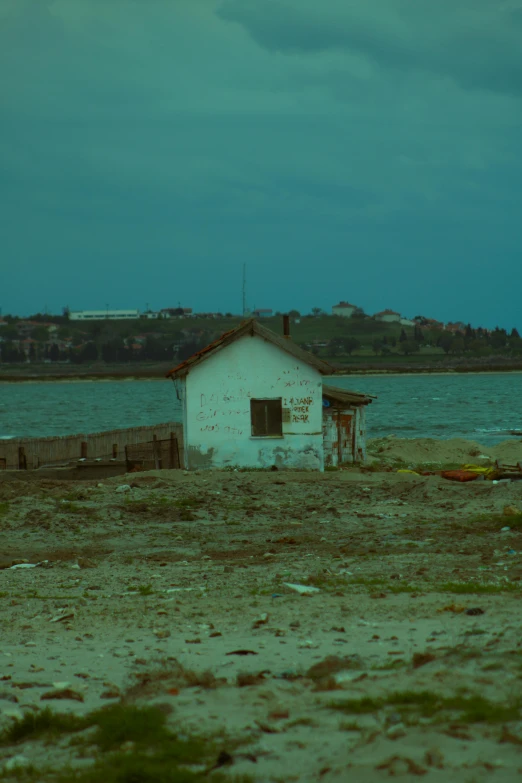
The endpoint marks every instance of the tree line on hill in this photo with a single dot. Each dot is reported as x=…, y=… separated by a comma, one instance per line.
x=55, y=339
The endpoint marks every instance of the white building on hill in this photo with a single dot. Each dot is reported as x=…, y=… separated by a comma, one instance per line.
x=99, y=315
x=344, y=309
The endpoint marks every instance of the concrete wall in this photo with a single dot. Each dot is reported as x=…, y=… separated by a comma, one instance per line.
x=216, y=400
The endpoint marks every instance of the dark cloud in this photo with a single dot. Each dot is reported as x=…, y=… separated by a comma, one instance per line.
x=147, y=154
x=475, y=42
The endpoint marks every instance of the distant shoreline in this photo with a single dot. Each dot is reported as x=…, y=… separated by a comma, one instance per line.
x=158, y=374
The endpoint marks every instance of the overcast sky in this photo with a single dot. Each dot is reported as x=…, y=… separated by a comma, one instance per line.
x=369, y=151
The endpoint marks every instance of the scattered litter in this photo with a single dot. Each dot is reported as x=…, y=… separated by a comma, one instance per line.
x=242, y=652
x=23, y=565
x=277, y=595
x=261, y=620
x=511, y=552
x=308, y=644
x=302, y=589
x=459, y=475
x=60, y=617
x=123, y=488
x=475, y=611
x=505, y=529
x=455, y=608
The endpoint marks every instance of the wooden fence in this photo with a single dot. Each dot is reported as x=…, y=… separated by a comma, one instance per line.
x=32, y=453
x=154, y=455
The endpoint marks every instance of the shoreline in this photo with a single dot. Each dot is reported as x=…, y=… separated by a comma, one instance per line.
x=91, y=377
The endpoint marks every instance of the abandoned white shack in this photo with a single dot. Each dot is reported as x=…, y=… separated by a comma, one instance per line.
x=253, y=399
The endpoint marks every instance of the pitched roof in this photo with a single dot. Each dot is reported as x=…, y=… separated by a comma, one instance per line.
x=251, y=328
x=345, y=396
x=387, y=312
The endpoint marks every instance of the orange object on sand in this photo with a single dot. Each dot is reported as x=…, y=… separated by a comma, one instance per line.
x=459, y=475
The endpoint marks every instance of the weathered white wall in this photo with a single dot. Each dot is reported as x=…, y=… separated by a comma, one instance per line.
x=217, y=393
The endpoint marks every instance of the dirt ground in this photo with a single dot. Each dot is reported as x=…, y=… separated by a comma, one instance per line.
x=180, y=590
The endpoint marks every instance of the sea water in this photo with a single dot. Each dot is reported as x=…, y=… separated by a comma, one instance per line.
x=478, y=406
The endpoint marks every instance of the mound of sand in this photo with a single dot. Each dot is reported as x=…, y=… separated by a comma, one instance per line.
x=432, y=450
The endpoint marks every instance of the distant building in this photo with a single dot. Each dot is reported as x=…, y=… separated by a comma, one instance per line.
x=388, y=316
x=458, y=326
x=344, y=309
x=176, y=312
x=263, y=313
x=432, y=323
x=101, y=315
x=407, y=322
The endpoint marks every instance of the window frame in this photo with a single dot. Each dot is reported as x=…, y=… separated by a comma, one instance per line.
x=274, y=434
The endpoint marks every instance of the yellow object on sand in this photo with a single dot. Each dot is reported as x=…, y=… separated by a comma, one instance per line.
x=480, y=470
x=409, y=471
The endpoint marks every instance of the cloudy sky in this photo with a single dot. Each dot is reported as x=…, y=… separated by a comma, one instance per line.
x=369, y=151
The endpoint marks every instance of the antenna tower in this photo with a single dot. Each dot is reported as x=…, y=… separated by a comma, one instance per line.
x=244, y=289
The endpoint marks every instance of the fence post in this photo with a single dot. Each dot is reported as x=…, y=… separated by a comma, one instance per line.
x=155, y=452
x=172, y=445
x=83, y=449
x=22, y=459
x=115, y=450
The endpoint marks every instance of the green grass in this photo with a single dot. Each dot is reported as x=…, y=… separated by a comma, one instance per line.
x=187, y=503
x=155, y=753
x=4, y=509
x=478, y=588
x=143, y=589
x=45, y=723
x=470, y=708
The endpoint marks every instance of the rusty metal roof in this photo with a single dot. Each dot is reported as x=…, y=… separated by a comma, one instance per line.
x=251, y=328
x=346, y=397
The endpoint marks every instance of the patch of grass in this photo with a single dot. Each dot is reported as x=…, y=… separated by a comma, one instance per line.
x=478, y=588
x=3, y=593
x=401, y=587
x=346, y=725
x=187, y=503
x=470, y=708
x=326, y=581
x=39, y=724
x=396, y=663
x=154, y=753
x=145, y=589
x=4, y=509
x=145, y=726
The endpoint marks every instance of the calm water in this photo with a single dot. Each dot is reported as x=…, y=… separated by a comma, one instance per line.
x=480, y=407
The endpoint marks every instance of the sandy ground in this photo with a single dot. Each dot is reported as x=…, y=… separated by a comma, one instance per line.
x=396, y=560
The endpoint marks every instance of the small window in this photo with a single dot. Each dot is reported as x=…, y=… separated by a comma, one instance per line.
x=267, y=418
